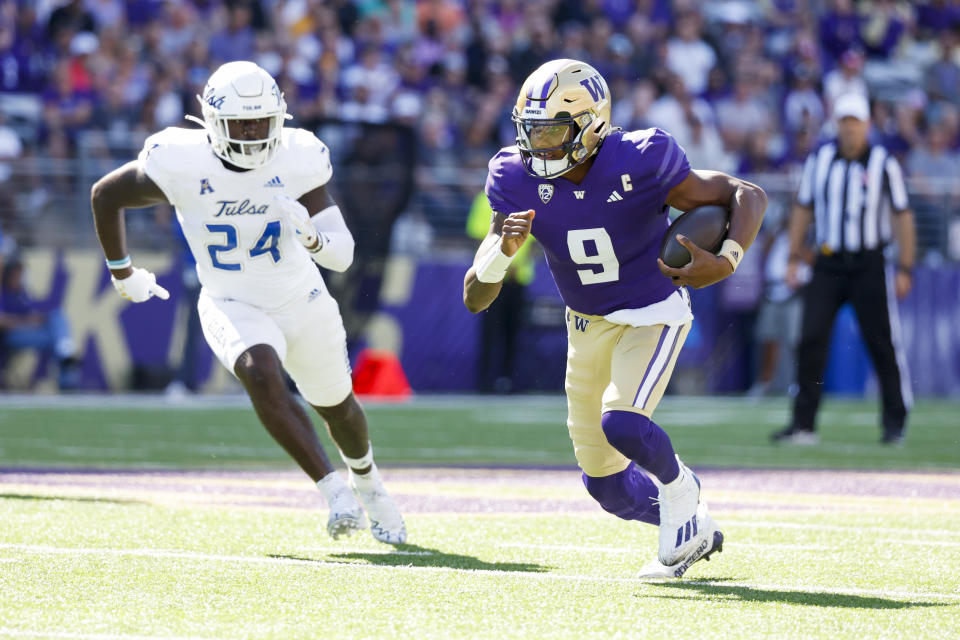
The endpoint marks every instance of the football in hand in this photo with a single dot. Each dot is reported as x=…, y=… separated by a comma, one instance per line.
x=705, y=227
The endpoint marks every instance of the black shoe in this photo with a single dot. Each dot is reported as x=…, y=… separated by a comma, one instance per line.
x=892, y=438
x=792, y=435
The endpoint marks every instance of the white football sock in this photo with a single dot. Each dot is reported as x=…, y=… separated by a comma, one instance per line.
x=331, y=485
x=364, y=461
x=367, y=481
x=677, y=484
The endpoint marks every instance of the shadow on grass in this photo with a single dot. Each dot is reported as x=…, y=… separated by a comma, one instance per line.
x=411, y=555
x=27, y=496
x=785, y=596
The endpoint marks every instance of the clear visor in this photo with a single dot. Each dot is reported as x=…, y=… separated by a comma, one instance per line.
x=546, y=140
x=551, y=147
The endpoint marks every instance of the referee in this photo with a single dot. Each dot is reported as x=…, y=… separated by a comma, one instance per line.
x=854, y=193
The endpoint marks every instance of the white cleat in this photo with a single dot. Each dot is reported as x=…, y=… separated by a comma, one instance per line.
x=709, y=543
x=680, y=531
x=346, y=514
x=386, y=523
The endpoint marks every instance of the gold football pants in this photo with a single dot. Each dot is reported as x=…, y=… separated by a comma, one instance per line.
x=613, y=367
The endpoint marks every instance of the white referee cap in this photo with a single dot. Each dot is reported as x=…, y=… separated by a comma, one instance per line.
x=853, y=105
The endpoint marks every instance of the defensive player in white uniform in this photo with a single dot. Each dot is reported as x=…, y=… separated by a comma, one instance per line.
x=251, y=198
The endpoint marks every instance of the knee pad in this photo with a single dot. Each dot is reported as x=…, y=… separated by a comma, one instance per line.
x=639, y=438
x=629, y=494
x=626, y=431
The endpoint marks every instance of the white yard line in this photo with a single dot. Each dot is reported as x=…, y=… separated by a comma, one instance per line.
x=24, y=633
x=768, y=524
x=191, y=555
x=735, y=544
x=633, y=550
x=920, y=543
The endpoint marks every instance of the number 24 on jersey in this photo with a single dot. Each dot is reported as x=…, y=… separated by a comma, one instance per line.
x=266, y=244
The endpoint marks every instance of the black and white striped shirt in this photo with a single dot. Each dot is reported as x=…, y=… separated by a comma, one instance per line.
x=852, y=200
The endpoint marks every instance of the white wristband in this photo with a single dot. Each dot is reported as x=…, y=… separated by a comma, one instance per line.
x=492, y=266
x=122, y=263
x=732, y=251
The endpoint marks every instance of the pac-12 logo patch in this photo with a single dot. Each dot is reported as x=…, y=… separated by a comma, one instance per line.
x=545, y=191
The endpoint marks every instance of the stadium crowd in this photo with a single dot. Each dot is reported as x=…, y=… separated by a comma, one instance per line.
x=745, y=86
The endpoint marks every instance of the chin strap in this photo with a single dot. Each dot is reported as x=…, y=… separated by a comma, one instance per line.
x=592, y=136
x=195, y=119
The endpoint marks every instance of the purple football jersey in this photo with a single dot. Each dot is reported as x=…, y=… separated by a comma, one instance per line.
x=602, y=236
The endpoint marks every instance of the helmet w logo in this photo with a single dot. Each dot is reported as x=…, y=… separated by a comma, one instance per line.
x=594, y=85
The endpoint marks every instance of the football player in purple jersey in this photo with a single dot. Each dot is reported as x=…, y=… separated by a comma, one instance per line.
x=596, y=199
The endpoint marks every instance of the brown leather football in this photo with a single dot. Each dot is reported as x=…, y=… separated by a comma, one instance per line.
x=705, y=226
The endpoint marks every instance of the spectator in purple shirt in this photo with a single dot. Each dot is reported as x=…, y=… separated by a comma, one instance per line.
x=943, y=76
x=882, y=28
x=26, y=325
x=27, y=56
x=236, y=41
x=935, y=16
x=66, y=109
x=839, y=29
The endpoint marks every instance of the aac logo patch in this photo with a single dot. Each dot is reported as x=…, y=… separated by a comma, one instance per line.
x=545, y=191
x=205, y=186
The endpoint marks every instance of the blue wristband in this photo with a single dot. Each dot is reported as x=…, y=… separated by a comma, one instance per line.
x=122, y=263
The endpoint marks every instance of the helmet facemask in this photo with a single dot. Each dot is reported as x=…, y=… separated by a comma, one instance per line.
x=552, y=147
x=240, y=151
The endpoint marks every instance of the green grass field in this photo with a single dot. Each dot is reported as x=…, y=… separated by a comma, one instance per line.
x=147, y=432
x=132, y=519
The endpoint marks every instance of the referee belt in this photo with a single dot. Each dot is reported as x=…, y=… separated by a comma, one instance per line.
x=850, y=256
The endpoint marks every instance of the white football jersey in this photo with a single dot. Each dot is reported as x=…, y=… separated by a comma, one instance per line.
x=244, y=246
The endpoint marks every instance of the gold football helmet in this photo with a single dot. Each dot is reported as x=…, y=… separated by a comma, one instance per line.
x=562, y=114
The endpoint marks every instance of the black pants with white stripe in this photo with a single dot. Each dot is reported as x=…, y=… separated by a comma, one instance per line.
x=861, y=280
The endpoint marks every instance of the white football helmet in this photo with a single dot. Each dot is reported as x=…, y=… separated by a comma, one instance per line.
x=562, y=114
x=242, y=91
